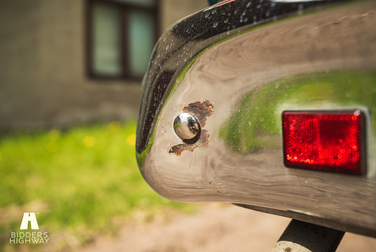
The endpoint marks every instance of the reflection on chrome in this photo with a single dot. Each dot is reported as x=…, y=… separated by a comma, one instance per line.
x=257, y=119
x=186, y=126
x=251, y=69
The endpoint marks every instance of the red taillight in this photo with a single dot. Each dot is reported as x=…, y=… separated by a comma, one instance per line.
x=324, y=140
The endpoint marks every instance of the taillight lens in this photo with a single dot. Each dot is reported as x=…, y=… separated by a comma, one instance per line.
x=324, y=140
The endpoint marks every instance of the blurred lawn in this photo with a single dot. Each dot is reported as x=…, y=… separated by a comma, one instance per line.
x=80, y=181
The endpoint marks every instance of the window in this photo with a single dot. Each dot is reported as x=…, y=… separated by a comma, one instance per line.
x=121, y=36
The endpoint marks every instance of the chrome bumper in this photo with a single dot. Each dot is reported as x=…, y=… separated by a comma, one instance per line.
x=250, y=61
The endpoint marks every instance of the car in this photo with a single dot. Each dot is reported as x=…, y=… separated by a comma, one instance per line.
x=267, y=105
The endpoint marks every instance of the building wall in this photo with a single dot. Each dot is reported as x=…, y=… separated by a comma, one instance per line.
x=173, y=10
x=43, y=80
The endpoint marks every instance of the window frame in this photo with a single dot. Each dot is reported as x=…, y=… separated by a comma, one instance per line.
x=124, y=42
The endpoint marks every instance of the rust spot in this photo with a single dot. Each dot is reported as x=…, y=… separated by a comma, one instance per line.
x=178, y=149
x=203, y=141
x=201, y=110
x=288, y=249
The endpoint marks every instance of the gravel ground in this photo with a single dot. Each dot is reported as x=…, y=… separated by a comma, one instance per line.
x=216, y=227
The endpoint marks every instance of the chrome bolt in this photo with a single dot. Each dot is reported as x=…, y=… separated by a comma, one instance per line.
x=186, y=127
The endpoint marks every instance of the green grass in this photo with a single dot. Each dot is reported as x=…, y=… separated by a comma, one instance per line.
x=80, y=181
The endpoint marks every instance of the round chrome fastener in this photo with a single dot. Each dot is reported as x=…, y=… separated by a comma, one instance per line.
x=187, y=127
